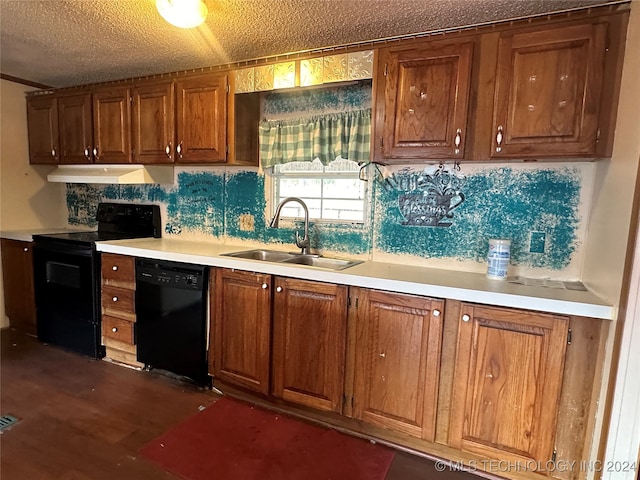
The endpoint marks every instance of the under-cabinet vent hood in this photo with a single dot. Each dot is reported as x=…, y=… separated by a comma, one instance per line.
x=115, y=174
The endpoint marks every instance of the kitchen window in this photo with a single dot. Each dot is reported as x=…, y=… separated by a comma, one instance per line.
x=333, y=193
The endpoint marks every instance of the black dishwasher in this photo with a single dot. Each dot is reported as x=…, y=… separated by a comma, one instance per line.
x=171, y=327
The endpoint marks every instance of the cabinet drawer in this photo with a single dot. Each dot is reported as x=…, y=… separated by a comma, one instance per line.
x=117, y=301
x=118, y=329
x=118, y=270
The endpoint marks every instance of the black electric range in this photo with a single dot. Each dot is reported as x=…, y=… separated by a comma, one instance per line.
x=67, y=275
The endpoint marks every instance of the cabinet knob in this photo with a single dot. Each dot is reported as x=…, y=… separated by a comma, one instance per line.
x=466, y=318
x=458, y=140
x=265, y=286
x=179, y=149
x=383, y=355
x=114, y=329
x=499, y=138
x=25, y=249
x=115, y=299
x=436, y=313
x=53, y=152
x=278, y=289
x=114, y=268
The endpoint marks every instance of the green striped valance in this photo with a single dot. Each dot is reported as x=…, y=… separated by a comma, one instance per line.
x=324, y=137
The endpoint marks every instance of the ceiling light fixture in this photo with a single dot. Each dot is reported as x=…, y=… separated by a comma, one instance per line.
x=183, y=13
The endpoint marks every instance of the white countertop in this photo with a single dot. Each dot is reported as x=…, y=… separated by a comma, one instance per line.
x=27, y=234
x=432, y=282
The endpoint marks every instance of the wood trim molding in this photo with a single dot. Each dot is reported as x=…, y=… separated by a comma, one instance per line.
x=22, y=81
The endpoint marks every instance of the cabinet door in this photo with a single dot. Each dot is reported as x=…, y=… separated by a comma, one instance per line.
x=547, y=96
x=112, y=125
x=508, y=374
x=241, y=329
x=75, y=123
x=398, y=361
x=201, y=109
x=42, y=121
x=309, y=341
x=153, y=123
x=422, y=98
x=17, y=273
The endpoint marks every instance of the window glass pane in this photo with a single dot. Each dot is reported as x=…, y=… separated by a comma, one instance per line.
x=294, y=209
x=300, y=187
x=343, y=188
x=343, y=210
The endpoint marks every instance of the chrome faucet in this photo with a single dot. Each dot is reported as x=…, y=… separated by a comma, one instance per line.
x=302, y=243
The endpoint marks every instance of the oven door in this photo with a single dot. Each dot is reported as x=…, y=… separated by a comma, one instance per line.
x=68, y=296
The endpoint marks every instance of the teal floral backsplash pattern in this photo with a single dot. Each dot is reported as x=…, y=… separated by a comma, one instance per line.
x=498, y=203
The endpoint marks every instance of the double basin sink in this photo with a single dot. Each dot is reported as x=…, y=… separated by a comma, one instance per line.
x=274, y=256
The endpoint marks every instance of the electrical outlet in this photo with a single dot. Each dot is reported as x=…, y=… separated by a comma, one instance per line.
x=537, y=242
x=247, y=222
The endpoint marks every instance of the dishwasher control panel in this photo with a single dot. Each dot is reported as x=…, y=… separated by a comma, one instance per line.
x=172, y=275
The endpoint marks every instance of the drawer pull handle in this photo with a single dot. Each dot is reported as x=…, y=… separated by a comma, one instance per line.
x=265, y=286
x=466, y=318
x=114, y=329
x=114, y=268
x=436, y=313
x=115, y=299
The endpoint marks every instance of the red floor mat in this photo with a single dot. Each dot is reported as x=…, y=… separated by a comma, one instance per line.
x=231, y=440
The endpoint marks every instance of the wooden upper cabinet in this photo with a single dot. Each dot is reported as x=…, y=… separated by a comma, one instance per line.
x=75, y=124
x=309, y=343
x=398, y=343
x=507, y=383
x=547, y=94
x=241, y=328
x=201, y=119
x=421, y=101
x=153, y=123
x=42, y=121
x=112, y=125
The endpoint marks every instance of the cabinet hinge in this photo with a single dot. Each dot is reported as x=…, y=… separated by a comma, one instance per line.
x=228, y=89
x=352, y=302
x=597, y=135
x=554, y=455
x=131, y=100
x=381, y=142
x=569, y=337
x=386, y=71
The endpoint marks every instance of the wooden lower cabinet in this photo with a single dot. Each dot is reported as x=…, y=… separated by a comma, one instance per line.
x=309, y=343
x=397, y=361
x=17, y=273
x=241, y=328
x=118, y=308
x=507, y=383
x=467, y=383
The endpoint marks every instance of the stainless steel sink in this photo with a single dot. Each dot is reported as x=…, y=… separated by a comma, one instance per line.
x=294, y=258
x=323, y=262
x=262, y=255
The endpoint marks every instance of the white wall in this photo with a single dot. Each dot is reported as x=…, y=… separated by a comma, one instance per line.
x=27, y=200
x=615, y=180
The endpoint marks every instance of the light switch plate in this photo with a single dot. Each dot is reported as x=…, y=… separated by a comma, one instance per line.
x=537, y=242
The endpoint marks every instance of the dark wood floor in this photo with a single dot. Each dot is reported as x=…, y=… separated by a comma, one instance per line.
x=85, y=419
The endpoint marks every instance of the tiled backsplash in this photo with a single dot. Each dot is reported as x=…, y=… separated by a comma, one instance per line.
x=499, y=202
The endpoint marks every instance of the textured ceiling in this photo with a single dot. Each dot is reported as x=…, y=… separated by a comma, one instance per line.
x=72, y=42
